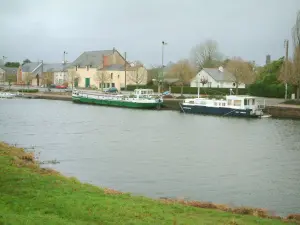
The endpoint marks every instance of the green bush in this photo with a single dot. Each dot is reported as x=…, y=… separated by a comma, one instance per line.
x=28, y=90
x=269, y=90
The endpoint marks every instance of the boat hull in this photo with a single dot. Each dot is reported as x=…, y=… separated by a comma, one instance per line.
x=118, y=103
x=218, y=111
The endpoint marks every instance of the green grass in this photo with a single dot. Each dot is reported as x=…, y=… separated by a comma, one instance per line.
x=31, y=195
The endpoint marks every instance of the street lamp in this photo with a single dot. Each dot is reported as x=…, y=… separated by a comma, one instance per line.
x=162, y=64
x=286, y=46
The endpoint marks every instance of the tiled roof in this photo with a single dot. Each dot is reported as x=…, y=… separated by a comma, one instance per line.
x=91, y=58
x=217, y=75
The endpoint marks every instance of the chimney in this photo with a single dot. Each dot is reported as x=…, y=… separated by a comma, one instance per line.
x=221, y=69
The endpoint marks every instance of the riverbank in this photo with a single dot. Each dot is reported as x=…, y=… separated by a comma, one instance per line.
x=277, y=111
x=34, y=195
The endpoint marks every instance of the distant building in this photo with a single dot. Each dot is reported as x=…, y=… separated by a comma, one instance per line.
x=268, y=59
x=107, y=68
x=217, y=78
x=38, y=73
x=8, y=74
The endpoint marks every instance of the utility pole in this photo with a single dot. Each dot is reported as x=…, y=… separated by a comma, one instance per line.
x=125, y=72
x=286, y=45
x=162, y=64
x=64, y=66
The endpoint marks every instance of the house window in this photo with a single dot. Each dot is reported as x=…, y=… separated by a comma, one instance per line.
x=113, y=84
x=111, y=76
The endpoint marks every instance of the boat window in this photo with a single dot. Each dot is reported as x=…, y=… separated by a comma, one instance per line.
x=229, y=102
x=215, y=104
x=237, y=102
x=253, y=101
x=245, y=101
x=223, y=104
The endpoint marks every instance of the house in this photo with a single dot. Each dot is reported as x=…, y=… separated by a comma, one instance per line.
x=216, y=78
x=107, y=67
x=39, y=73
x=8, y=74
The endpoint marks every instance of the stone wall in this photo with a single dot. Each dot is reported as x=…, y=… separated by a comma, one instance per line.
x=291, y=112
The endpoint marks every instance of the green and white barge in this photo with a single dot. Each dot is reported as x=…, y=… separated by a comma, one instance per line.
x=140, y=99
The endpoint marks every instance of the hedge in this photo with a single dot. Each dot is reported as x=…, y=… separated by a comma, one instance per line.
x=256, y=89
x=270, y=91
x=28, y=90
x=192, y=90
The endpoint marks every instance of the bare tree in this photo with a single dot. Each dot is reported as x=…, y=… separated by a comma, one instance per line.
x=156, y=76
x=102, y=77
x=73, y=76
x=241, y=71
x=28, y=77
x=206, y=54
x=48, y=78
x=183, y=71
x=137, y=74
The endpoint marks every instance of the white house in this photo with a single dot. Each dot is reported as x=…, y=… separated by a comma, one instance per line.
x=216, y=78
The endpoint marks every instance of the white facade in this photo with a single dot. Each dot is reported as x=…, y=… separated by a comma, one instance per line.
x=212, y=82
x=60, y=77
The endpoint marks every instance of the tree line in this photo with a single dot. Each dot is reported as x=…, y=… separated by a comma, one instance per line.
x=266, y=81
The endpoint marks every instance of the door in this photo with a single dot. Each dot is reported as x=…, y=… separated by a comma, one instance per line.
x=87, y=82
x=76, y=82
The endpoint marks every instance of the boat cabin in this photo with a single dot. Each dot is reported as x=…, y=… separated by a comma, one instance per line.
x=241, y=101
x=231, y=101
x=143, y=92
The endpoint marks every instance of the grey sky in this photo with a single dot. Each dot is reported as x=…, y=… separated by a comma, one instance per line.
x=37, y=29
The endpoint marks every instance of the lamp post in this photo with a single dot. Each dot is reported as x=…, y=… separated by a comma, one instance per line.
x=160, y=81
x=203, y=80
x=286, y=45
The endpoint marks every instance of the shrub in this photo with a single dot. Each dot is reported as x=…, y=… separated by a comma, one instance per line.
x=28, y=90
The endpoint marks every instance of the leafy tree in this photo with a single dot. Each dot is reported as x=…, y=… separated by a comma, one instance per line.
x=12, y=64
x=26, y=61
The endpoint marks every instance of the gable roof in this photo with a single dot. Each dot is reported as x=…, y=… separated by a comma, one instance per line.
x=36, y=67
x=10, y=70
x=93, y=58
x=218, y=75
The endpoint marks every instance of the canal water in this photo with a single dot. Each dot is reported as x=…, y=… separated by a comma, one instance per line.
x=241, y=162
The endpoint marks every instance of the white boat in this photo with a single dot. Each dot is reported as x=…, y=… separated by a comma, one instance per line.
x=7, y=95
x=231, y=105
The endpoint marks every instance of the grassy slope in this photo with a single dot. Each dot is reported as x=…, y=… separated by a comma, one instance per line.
x=30, y=195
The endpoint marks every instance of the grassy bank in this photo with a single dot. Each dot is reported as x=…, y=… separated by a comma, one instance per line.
x=32, y=195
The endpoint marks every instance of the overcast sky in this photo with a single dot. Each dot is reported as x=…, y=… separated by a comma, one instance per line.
x=38, y=29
